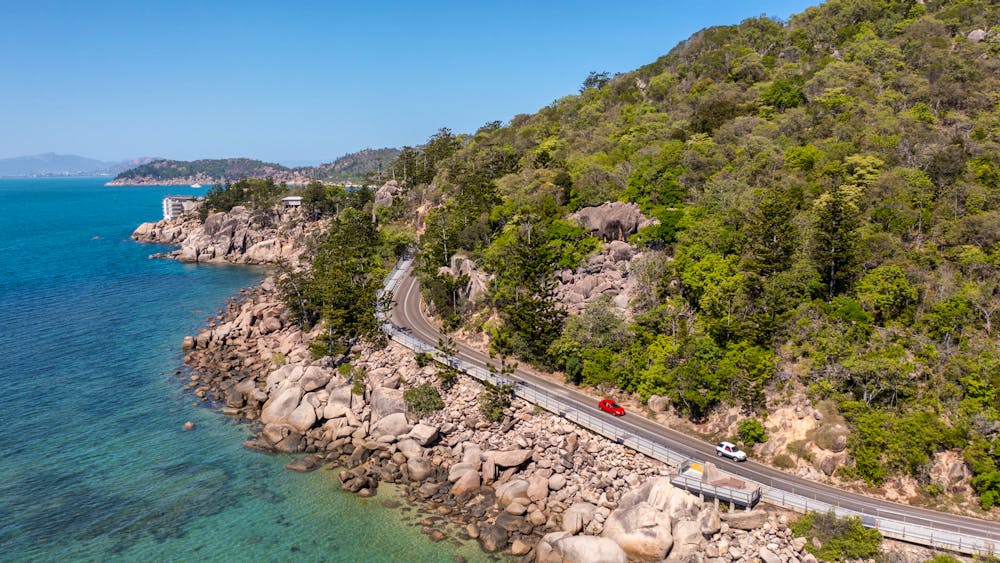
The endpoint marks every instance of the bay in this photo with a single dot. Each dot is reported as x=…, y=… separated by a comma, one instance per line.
x=96, y=465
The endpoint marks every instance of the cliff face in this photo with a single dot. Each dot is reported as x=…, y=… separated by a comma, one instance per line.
x=231, y=237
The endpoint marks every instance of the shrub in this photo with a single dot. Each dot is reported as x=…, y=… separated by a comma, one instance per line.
x=358, y=381
x=494, y=400
x=423, y=359
x=423, y=400
x=783, y=461
x=751, y=432
x=800, y=449
x=840, y=538
x=447, y=376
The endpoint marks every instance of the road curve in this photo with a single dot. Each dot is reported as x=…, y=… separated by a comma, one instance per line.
x=408, y=314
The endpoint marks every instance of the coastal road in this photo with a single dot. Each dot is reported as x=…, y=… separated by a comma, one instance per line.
x=408, y=314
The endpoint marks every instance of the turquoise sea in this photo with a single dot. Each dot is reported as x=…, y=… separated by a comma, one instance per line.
x=94, y=462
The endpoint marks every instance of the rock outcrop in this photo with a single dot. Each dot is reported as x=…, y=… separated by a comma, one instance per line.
x=612, y=221
x=610, y=273
x=235, y=236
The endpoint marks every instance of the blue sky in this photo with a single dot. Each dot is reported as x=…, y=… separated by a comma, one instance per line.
x=302, y=80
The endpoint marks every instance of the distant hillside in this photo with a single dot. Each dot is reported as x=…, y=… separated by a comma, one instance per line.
x=119, y=167
x=353, y=167
x=208, y=171
x=348, y=168
x=51, y=164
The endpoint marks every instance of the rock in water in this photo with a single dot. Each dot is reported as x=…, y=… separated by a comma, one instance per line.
x=188, y=426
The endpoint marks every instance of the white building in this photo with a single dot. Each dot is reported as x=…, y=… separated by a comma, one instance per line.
x=174, y=205
x=291, y=201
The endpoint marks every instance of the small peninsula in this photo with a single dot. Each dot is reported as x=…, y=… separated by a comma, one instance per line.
x=351, y=169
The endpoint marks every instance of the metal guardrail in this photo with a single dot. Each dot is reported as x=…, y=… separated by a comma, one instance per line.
x=741, y=498
x=891, y=525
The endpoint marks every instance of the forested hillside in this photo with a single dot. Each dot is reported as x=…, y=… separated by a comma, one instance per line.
x=206, y=171
x=827, y=192
x=356, y=167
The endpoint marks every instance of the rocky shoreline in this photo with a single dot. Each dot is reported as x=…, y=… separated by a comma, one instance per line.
x=532, y=486
x=231, y=237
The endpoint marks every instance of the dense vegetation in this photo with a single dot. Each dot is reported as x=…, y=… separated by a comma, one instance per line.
x=828, y=197
x=839, y=539
x=340, y=288
x=220, y=170
x=260, y=196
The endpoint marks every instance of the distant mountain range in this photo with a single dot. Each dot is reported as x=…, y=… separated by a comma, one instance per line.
x=350, y=168
x=51, y=164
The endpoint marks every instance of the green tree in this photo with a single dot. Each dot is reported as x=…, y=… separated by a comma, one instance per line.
x=524, y=293
x=771, y=233
x=747, y=369
x=835, y=244
x=495, y=400
x=341, y=287
x=886, y=293
x=595, y=80
x=751, y=432
x=784, y=93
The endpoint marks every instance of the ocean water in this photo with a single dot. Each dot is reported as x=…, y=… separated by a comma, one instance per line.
x=94, y=462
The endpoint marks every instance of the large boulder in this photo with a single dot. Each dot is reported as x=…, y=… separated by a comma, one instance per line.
x=511, y=491
x=467, y=482
x=462, y=266
x=656, y=403
x=409, y=448
x=745, y=520
x=340, y=396
x=612, y=220
x=385, y=194
x=314, y=378
x=282, y=438
x=538, y=487
x=642, y=530
x=418, y=468
x=303, y=417
x=457, y=470
x=576, y=517
x=977, y=35
x=387, y=401
x=492, y=538
x=424, y=434
x=688, y=540
x=392, y=425
x=557, y=481
x=656, y=491
x=562, y=547
x=709, y=521
x=278, y=408
x=510, y=458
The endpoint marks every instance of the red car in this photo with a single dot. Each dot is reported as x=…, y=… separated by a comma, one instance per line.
x=609, y=406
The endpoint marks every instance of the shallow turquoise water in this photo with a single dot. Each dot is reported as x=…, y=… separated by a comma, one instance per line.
x=95, y=463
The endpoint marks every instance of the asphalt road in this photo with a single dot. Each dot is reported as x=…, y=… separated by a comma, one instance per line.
x=408, y=314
